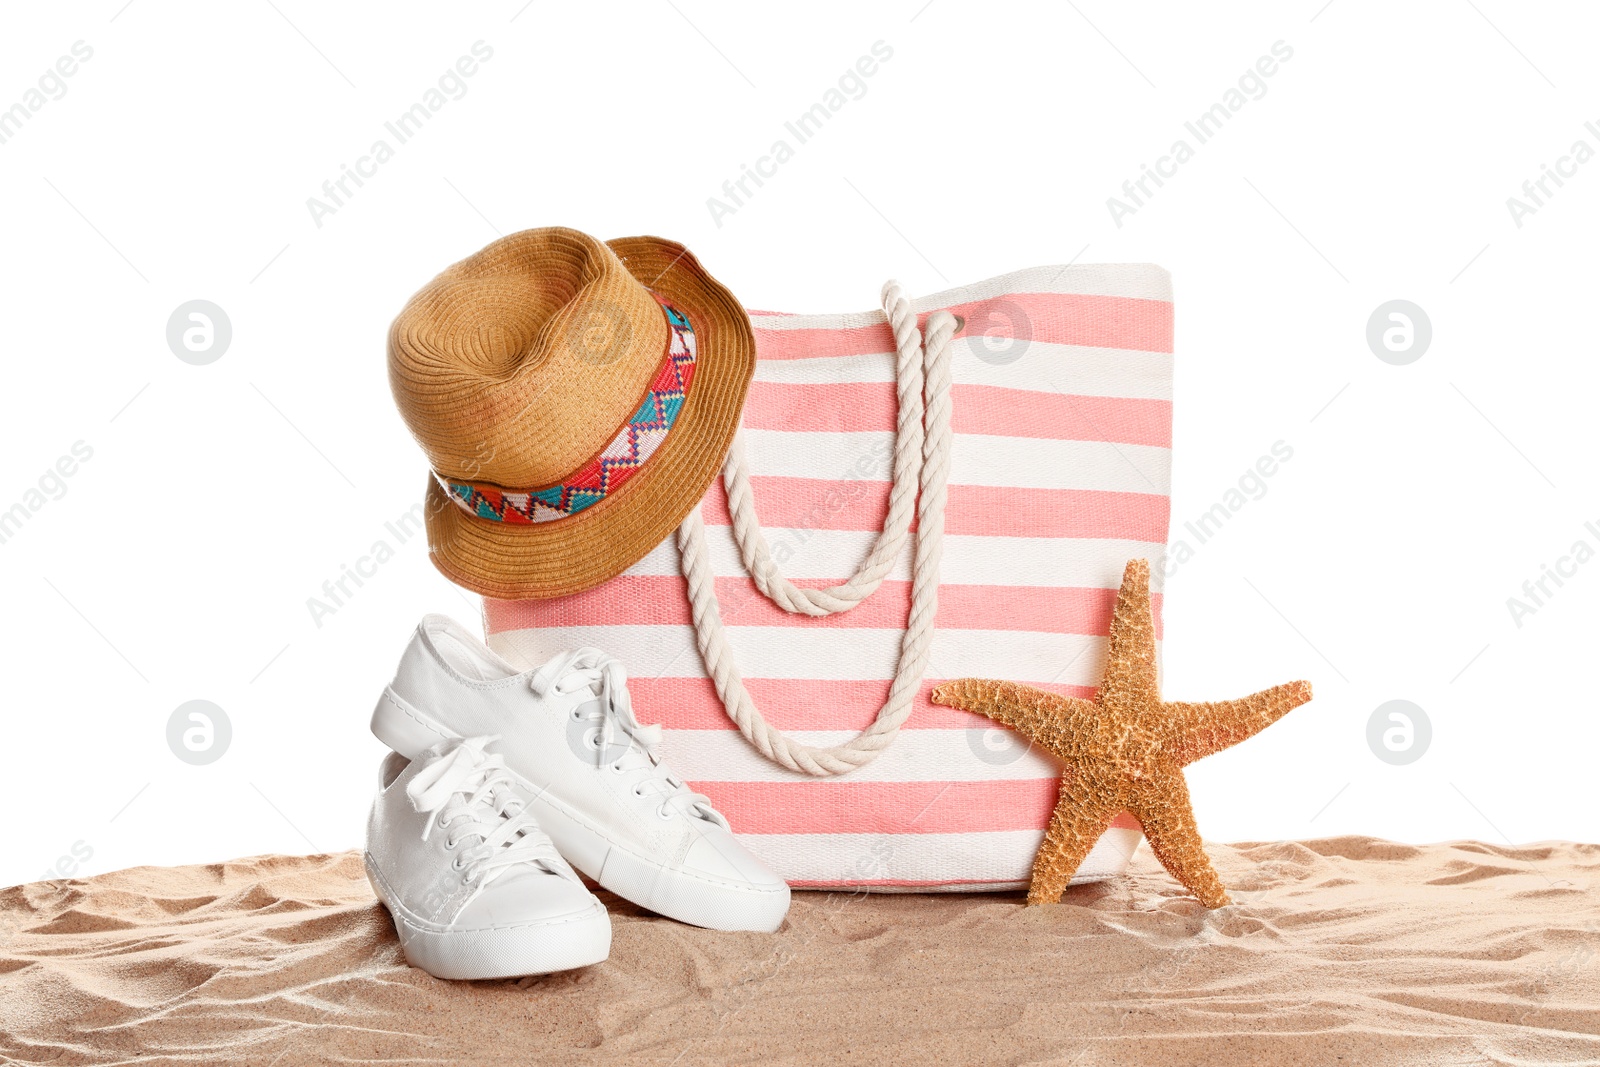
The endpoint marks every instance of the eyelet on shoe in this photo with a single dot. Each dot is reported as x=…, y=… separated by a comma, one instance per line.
x=663, y=814
x=576, y=715
x=616, y=768
x=638, y=791
x=456, y=864
x=449, y=845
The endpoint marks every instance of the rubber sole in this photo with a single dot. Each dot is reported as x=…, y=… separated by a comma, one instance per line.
x=562, y=944
x=668, y=891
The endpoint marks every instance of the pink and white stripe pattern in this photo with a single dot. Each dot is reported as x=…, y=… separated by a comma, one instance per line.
x=1062, y=415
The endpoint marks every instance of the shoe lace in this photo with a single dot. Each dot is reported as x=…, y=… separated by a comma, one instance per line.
x=468, y=793
x=605, y=677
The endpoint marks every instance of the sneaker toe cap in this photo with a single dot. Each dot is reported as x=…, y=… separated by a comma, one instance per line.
x=529, y=896
x=716, y=855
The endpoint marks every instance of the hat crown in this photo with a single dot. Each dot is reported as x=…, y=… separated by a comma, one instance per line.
x=518, y=364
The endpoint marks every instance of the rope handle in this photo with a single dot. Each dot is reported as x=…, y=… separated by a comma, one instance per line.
x=921, y=461
x=754, y=549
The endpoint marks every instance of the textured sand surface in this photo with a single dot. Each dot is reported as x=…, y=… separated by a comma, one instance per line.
x=1346, y=950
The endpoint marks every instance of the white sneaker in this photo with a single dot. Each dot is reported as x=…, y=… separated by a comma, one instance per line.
x=476, y=889
x=591, y=771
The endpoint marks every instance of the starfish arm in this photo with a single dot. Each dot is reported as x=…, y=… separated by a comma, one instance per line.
x=1195, y=731
x=1130, y=676
x=1083, y=812
x=1052, y=721
x=1161, y=804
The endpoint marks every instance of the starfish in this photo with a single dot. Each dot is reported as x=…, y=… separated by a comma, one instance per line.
x=1125, y=750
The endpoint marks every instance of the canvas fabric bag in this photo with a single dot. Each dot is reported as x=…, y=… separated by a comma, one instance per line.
x=1041, y=426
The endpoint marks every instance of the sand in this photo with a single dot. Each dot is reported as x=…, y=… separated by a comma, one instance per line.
x=1346, y=950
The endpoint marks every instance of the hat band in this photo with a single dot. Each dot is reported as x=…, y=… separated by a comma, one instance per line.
x=619, y=461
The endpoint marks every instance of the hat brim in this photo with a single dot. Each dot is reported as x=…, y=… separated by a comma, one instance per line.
x=578, y=552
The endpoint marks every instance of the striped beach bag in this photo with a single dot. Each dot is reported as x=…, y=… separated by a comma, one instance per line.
x=947, y=487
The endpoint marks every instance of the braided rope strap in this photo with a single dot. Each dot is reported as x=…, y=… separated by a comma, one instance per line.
x=908, y=461
x=926, y=439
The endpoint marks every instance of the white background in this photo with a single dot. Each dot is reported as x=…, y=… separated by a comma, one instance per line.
x=219, y=498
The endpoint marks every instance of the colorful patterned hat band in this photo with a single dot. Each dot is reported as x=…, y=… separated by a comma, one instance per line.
x=634, y=444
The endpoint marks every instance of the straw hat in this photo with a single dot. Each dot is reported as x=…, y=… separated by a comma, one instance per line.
x=575, y=399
